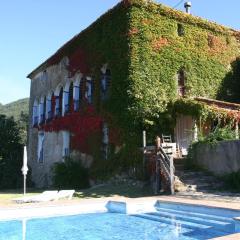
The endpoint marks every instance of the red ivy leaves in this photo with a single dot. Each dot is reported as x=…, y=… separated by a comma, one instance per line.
x=81, y=126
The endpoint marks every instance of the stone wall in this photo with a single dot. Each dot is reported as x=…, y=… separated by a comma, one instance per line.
x=41, y=86
x=221, y=158
x=52, y=145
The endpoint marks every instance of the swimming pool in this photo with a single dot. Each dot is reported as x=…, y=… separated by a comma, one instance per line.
x=168, y=221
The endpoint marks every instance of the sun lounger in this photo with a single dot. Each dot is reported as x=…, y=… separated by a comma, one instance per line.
x=65, y=194
x=43, y=197
x=46, y=196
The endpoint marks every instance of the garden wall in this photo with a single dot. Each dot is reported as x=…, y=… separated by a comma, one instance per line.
x=222, y=158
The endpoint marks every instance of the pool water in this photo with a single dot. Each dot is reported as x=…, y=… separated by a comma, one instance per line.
x=114, y=226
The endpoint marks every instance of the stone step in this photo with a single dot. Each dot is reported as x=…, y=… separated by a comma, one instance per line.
x=217, y=224
x=173, y=221
x=195, y=214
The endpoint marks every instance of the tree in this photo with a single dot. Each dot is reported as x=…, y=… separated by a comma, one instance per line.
x=11, y=153
x=23, y=126
x=230, y=89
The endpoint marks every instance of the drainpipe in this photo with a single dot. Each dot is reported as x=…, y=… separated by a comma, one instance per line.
x=188, y=6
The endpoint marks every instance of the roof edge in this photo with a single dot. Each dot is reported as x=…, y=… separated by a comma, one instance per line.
x=154, y=7
x=59, y=51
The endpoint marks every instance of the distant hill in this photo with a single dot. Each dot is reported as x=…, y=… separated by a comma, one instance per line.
x=15, y=109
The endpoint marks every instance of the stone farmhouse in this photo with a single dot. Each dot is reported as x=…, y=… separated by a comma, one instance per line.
x=140, y=66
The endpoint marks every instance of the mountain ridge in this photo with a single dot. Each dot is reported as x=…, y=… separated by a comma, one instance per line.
x=15, y=109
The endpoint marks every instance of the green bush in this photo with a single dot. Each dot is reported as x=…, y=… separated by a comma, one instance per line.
x=232, y=181
x=219, y=134
x=128, y=160
x=70, y=174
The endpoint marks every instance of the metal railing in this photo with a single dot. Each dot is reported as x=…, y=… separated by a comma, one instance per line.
x=160, y=166
x=165, y=169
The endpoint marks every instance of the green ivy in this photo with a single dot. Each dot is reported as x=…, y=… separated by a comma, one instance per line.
x=157, y=54
x=140, y=42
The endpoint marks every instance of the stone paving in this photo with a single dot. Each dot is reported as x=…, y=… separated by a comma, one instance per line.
x=203, y=186
x=216, y=196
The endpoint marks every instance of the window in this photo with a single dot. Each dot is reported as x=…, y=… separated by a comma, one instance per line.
x=53, y=103
x=105, y=140
x=66, y=101
x=67, y=98
x=70, y=99
x=180, y=30
x=42, y=110
x=66, y=144
x=35, y=113
x=43, y=116
x=210, y=41
x=49, y=108
x=105, y=82
x=57, y=107
x=40, y=147
x=58, y=104
x=77, y=97
x=181, y=82
x=44, y=75
x=89, y=90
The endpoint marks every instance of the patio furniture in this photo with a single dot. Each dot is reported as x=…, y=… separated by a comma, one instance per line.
x=43, y=197
x=166, y=138
x=65, y=194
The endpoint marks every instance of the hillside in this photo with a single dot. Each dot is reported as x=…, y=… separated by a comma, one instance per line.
x=15, y=109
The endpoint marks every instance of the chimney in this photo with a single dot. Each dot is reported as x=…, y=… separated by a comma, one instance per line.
x=188, y=6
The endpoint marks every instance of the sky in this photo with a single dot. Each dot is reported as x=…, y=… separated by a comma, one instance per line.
x=31, y=31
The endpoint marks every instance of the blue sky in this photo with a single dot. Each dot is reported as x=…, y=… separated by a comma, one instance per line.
x=33, y=30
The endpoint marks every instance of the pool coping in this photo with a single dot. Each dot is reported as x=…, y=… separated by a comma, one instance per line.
x=234, y=236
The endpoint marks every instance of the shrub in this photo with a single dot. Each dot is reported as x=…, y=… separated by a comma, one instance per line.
x=70, y=174
x=128, y=160
x=219, y=134
x=232, y=181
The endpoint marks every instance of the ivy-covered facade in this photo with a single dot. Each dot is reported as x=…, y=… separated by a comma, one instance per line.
x=130, y=70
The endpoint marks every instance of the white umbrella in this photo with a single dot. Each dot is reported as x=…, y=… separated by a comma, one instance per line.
x=24, y=169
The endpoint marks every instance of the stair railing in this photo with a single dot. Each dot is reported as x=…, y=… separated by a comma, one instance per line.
x=164, y=168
